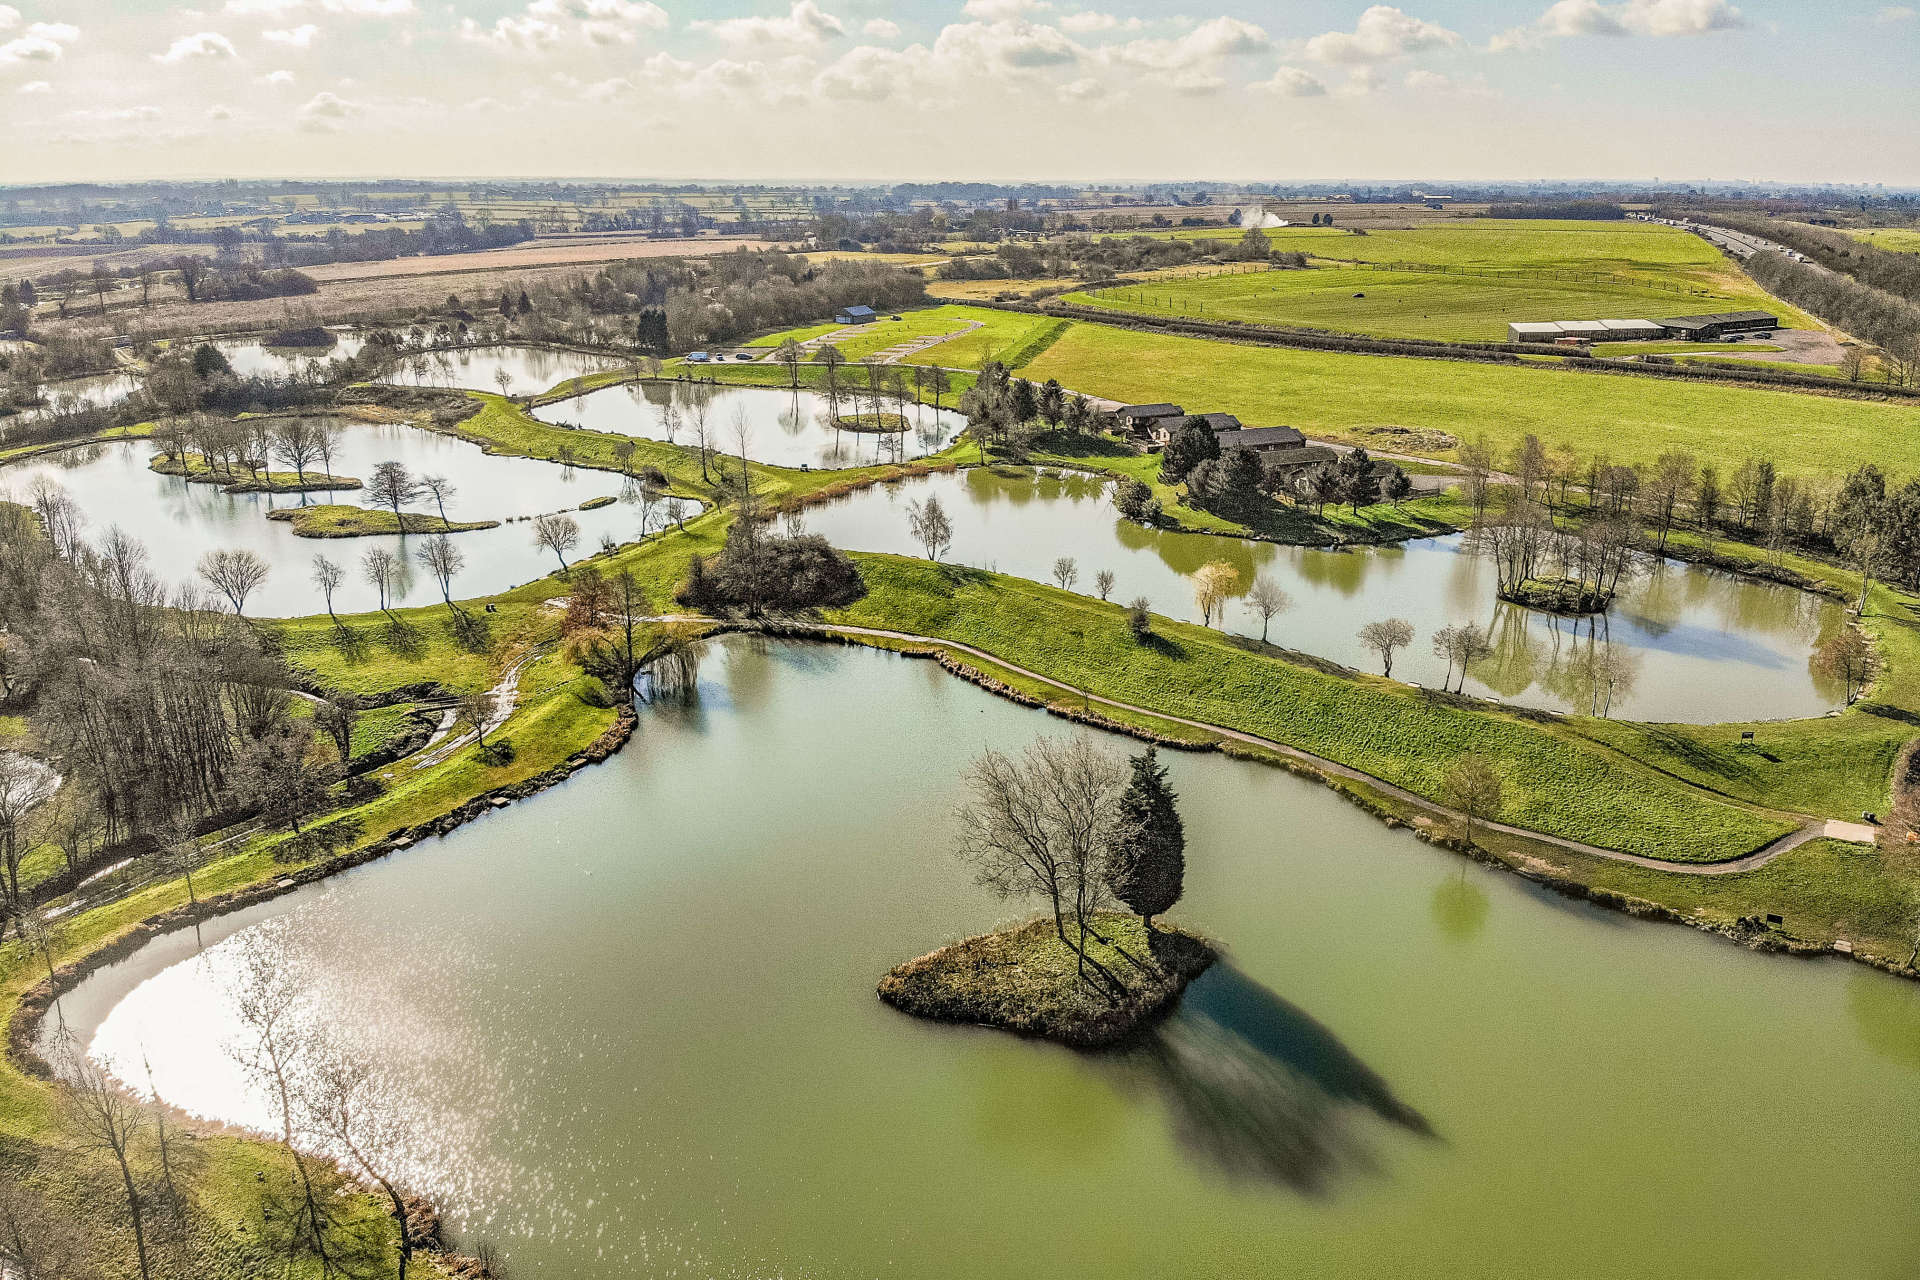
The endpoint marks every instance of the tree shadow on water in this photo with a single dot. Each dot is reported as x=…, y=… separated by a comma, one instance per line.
x=1261, y=1091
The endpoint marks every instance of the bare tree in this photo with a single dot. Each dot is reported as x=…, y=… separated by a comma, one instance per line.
x=1472, y=786
x=378, y=567
x=443, y=560
x=235, y=573
x=930, y=527
x=1045, y=824
x=701, y=410
x=476, y=711
x=340, y=1106
x=503, y=380
x=25, y=785
x=1065, y=572
x=1384, y=637
x=295, y=443
x=106, y=1119
x=1103, y=583
x=393, y=487
x=558, y=534
x=327, y=575
x=790, y=355
x=326, y=444
x=1266, y=598
x=439, y=488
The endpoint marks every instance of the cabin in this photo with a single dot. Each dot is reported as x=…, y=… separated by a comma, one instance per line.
x=1150, y=421
x=855, y=315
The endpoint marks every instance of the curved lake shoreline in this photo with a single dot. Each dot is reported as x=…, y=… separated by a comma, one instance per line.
x=742, y=693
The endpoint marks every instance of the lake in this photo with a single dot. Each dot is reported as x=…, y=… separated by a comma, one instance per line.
x=785, y=428
x=1700, y=646
x=252, y=358
x=179, y=522
x=631, y=1028
x=529, y=370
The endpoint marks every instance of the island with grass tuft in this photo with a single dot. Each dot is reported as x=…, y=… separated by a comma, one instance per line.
x=1559, y=595
x=339, y=520
x=1072, y=824
x=196, y=471
x=1028, y=980
x=873, y=423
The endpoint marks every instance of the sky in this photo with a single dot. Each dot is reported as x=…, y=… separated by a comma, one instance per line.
x=989, y=90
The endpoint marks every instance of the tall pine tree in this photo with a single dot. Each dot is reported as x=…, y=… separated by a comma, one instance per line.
x=1149, y=864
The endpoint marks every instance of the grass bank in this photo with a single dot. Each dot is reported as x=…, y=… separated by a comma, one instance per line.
x=340, y=520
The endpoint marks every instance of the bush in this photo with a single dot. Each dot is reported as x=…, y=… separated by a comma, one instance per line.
x=1140, y=618
x=758, y=571
x=1134, y=500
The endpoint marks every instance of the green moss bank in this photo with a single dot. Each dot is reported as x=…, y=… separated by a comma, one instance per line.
x=337, y=520
x=1026, y=980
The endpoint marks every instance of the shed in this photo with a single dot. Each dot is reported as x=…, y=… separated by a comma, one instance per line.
x=1533, y=331
x=855, y=315
x=1633, y=330
x=1701, y=328
x=1150, y=420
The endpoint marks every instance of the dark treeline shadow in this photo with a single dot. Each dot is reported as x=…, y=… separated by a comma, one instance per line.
x=1259, y=1090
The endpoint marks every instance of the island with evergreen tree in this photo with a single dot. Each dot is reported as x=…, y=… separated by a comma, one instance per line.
x=1073, y=826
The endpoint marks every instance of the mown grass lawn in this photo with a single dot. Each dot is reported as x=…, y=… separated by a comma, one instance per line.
x=1349, y=397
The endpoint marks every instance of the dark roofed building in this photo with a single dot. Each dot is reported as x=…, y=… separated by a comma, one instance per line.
x=1137, y=413
x=855, y=315
x=1706, y=328
x=1218, y=422
x=1260, y=439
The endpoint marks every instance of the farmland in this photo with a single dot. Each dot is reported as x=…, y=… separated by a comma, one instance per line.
x=1463, y=281
x=1353, y=397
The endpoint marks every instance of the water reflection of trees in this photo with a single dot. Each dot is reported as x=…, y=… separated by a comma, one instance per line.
x=1261, y=1091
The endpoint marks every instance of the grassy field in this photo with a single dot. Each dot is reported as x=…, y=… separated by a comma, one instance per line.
x=1352, y=397
x=1478, y=277
x=1558, y=781
x=999, y=335
x=1894, y=239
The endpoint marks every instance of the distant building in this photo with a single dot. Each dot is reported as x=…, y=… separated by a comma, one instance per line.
x=1586, y=331
x=1707, y=328
x=1219, y=422
x=1262, y=440
x=1148, y=419
x=855, y=315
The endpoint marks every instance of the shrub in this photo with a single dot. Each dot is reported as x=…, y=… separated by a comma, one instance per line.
x=1140, y=618
x=1134, y=500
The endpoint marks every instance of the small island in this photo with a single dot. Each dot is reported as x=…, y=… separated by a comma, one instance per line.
x=196, y=471
x=1068, y=823
x=339, y=520
x=872, y=423
x=1559, y=595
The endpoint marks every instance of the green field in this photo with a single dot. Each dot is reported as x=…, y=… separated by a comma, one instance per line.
x=1474, y=278
x=1895, y=239
x=1351, y=397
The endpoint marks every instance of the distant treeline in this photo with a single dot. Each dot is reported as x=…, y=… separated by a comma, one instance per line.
x=1890, y=323
x=1571, y=210
x=1894, y=273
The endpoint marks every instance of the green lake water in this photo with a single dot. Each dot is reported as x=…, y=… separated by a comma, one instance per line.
x=633, y=1033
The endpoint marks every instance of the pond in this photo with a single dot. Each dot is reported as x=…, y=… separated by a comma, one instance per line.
x=179, y=522
x=529, y=370
x=252, y=358
x=631, y=1029
x=94, y=391
x=1694, y=645
x=785, y=428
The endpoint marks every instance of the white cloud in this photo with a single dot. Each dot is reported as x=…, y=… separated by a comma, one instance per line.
x=9, y=17
x=546, y=23
x=1362, y=81
x=202, y=44
x=1631, y=18
x=35, y=86
x=282, y=76
x=1291, y=82
x=116, y=114
x=1010, y=46
x=1205, y=45
x=1089, y=21
x=868, y=73
x=881, y=29
x=326, y=112
x=1433, y=82
x=1000, y=10
x=805, y=23
x=1382, y=34
x=1085, y=89
x=353, y=8
x=40, y=42
x=218, y=112
x=1895, y=13
x=300, y=37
